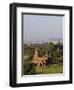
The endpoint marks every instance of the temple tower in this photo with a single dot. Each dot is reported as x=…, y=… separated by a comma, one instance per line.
x=36, y=53
x=35, y=57
x=46, y=54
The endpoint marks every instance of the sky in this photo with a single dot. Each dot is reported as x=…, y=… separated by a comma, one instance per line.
x=41, y=28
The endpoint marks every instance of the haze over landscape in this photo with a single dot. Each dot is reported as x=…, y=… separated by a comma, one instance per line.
x=43, y=44
x=39, y=28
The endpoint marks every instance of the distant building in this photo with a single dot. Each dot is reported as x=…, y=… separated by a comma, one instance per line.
x=29, y=44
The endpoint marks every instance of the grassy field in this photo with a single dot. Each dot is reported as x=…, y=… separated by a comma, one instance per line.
x=51, y=69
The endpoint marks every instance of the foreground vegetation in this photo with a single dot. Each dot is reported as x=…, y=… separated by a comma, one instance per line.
x=50, y=69
x=55, y=60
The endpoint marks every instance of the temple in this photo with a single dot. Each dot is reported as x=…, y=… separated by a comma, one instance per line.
x=39, y=60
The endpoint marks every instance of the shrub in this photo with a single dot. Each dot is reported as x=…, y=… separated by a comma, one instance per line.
x=29, y=69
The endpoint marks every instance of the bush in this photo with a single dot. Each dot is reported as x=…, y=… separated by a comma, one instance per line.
x=29, y=69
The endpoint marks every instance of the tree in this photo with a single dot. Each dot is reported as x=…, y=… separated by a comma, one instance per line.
x=29, y=69
x=51, y=46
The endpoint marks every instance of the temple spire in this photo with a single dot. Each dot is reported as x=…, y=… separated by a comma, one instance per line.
x=46, y=54
x=36, y=51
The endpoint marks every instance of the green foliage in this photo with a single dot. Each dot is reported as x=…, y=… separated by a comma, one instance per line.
x=56, y=52
x=51, y=46
x=50, y=69
x=42, y=52
x=29, y=69
x=55, y=59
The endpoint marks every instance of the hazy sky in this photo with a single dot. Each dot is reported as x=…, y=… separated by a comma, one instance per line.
x=39, y=28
